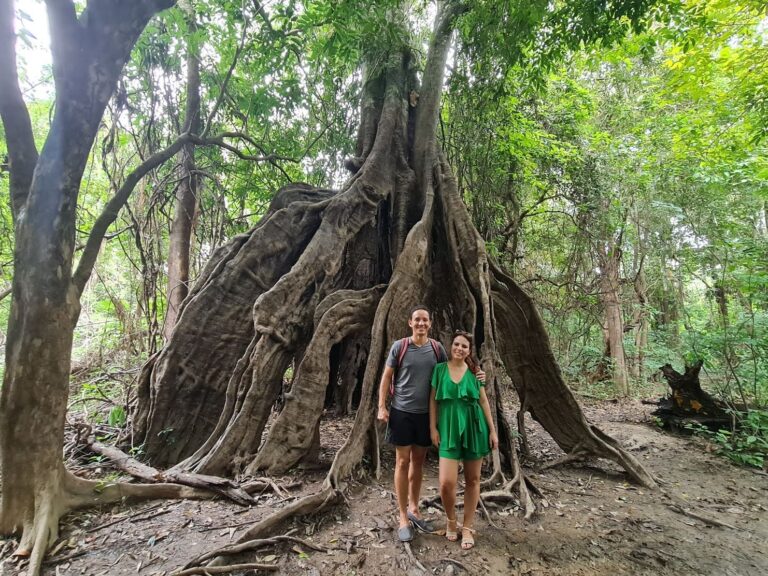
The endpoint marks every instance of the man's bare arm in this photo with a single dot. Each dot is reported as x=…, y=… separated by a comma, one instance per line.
x=386, y=381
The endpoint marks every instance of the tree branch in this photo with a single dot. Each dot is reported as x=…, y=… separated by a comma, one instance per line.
x=112, y=209
x=65, y=38
x=225, y=83
x=219, y=141
x=22, y=152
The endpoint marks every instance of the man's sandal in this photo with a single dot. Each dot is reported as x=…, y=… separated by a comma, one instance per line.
x=467, y=538
x=450, y=530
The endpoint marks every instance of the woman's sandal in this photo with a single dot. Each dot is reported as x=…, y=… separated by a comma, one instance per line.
x=467, y=540
x=451, y=535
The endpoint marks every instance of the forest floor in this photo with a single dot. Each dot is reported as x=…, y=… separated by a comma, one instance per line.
x=589, y=522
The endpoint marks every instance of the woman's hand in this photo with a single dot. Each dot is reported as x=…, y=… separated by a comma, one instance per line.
x=480, y=375
x=435, y=437
x=493, y=438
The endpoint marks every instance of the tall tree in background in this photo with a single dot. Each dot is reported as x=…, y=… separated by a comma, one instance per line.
x=180, y=240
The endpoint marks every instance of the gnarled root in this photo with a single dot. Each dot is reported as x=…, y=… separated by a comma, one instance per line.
x=221, y=486
x=252, y=539
x=529, y=360
x=65, y=493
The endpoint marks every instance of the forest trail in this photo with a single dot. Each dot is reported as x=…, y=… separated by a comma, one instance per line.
x=591, y=522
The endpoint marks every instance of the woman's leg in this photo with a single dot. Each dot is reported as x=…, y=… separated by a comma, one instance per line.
x=471, y=498
x=449, y=473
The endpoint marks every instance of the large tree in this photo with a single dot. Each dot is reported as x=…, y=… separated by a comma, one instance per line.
x=329, y=270
x=89, y=49
x=325, y=274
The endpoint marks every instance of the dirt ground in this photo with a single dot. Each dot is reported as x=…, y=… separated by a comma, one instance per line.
x=590, y=522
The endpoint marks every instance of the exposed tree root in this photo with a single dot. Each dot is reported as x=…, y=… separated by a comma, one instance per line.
x=250, y=545
x=252, y=538
x=205, y=570
x=71, y=493
x=530, y=362
x=221, y=486
x=412, y=557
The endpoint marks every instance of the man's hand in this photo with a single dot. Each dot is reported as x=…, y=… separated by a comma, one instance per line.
x=480, y=375
x=435, y=437
x=383, y=414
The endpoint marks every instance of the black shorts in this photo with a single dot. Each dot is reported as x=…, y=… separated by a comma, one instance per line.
x=406, y=429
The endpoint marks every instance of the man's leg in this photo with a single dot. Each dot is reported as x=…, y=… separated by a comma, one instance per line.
x=415, y=476
x=402, y=467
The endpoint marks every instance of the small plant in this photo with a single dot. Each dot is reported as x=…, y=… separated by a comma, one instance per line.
x=747, y=445
x=117, y=416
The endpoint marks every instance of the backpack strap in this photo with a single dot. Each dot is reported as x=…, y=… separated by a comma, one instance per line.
x=400, y=355
x=435, y=349
x=403, y=349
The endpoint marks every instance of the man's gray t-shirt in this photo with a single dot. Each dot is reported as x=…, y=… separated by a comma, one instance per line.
x=414, y=375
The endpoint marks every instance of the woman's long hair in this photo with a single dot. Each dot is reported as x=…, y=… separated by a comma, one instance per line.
x=470, y=360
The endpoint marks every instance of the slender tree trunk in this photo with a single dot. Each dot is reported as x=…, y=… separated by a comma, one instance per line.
x=180, y=241
x=640, y=317
x=641, y=334
x=610, y=296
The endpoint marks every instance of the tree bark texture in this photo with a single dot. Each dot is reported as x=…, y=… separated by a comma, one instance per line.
x=610, y=296
x=296, y=286
x=180, y=239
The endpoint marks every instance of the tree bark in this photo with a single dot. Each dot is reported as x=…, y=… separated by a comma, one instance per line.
x=610, y=296
x=180, y=239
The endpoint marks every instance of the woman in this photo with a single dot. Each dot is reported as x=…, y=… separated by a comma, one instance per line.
x=462, y=428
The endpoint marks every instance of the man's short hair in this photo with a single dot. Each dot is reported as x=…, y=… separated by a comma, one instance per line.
x=420, y=307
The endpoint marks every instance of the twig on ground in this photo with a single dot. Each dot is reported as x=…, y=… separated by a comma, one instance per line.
x=124, y=518
x=710, y=521
x=60, y=559
x=225, y=569
x=414, y=560
x=261, y=484
x=455, y=563
x=226, y=526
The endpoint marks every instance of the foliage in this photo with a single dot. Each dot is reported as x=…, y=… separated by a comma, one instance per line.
x=574, y=128
x=747, y=445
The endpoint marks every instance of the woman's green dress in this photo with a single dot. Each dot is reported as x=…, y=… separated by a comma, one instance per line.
x=463, y=430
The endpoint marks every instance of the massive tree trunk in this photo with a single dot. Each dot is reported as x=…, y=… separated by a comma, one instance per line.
x=89, y=52
x=295, y=286
x=180, y=238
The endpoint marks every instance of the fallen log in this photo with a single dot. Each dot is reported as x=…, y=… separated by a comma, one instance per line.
x=688, y=403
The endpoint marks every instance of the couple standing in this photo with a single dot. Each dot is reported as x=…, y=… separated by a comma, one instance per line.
x=441, y=401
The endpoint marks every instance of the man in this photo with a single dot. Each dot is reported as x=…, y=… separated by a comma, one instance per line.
x=408, y=416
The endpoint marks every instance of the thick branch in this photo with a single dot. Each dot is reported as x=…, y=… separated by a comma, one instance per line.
x=220, y=486
x=429, y=100
x=112, y=209
x=22, y=153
